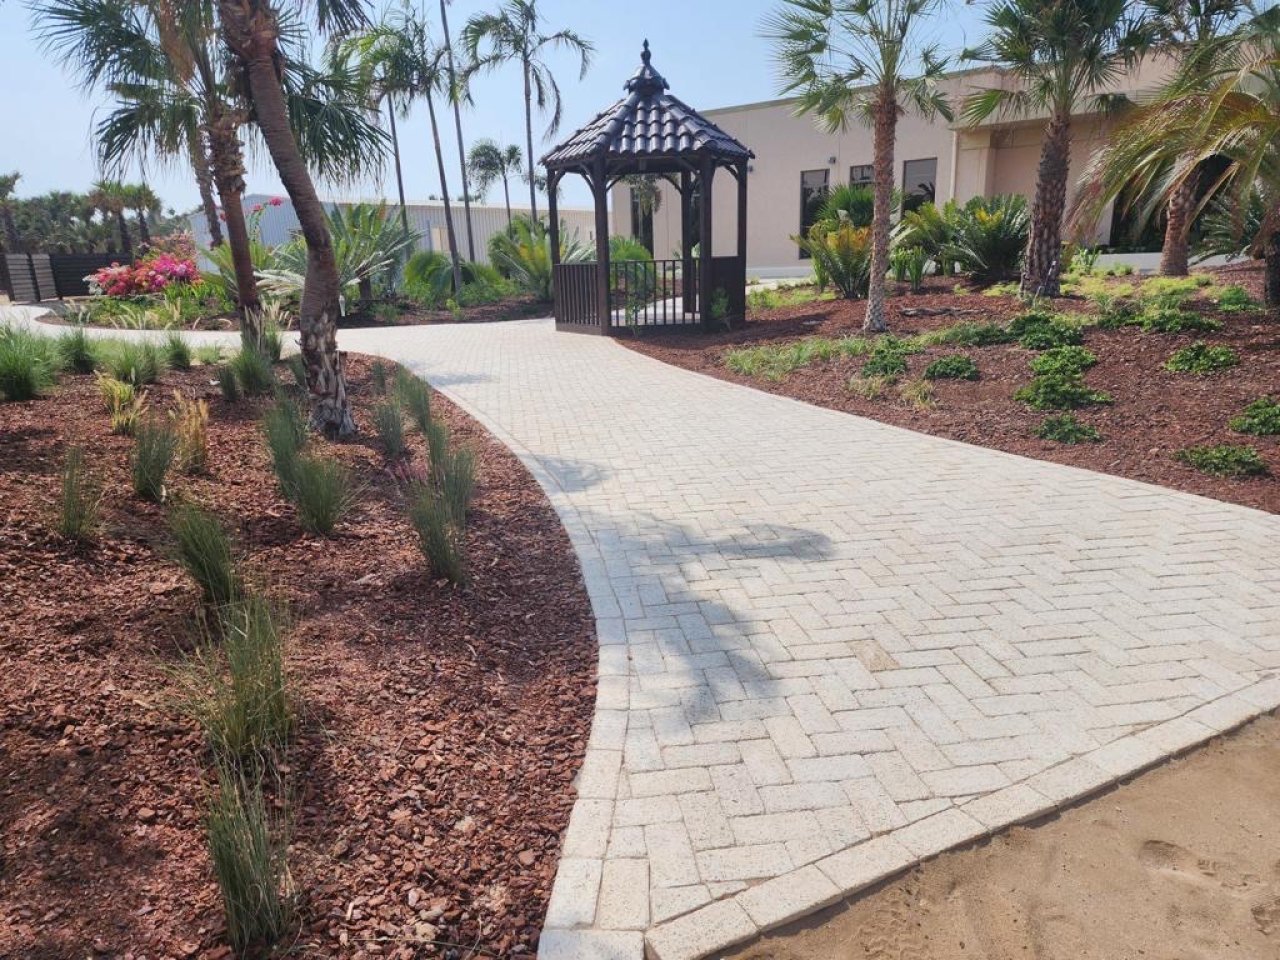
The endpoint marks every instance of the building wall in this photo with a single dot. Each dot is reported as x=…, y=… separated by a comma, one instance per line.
x=999, y=156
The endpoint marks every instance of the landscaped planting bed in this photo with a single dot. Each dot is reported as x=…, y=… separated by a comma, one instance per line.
x=1131, y=414
x=436, y=729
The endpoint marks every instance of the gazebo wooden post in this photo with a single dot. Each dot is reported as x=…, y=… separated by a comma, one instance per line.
x=741, y=315
x=600, y=191
x=553, y=236
x=704, y=240
x=688, y=297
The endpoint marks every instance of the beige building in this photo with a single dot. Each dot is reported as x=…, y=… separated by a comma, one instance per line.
x=936, y=160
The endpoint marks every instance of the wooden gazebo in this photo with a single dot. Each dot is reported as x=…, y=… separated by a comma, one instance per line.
x=651, y=132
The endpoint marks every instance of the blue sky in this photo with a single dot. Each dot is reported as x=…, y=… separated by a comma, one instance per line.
x=709, y=50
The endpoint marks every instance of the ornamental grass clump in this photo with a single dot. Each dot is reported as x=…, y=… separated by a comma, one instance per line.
x=1225, y=460
x=888, y=357
x=228, y=383
x=388, y=420
x=252, y=369
x=76, y=352
x=284, y=426
x=190, y=419
x=323, y=493
x=1202, y=359
x=1260, y=418
x=125, y=404
x=26, y=365
x=440, y=537
x=80, y=498
x=970, y=335
x=205, y=552
x=153, y=451
x=177, y=352
x=139, y=362
x=415, y=395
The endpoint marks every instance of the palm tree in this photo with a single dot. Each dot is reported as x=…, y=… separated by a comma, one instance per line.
x=455, y=99
x=377, y=81
x=402, y=52
x=513, y=35
x=1062, y=55
x=9, y=184
x=862, y=60
x=1224, y=107
x=111, y=198
x=141, y=199
x=489, y=163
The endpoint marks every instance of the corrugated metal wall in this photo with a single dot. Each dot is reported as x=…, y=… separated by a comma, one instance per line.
x=279, y=223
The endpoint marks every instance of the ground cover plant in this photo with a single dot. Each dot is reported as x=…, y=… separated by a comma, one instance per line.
x=1260, y=418
x=1202, y=358
x=1225, y=460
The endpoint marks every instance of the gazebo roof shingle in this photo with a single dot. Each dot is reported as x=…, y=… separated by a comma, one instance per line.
x=648, y=123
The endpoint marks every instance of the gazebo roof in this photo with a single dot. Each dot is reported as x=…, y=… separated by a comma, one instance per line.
x=648, y=127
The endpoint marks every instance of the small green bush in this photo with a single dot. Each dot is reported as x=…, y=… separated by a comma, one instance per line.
x=205, y=552
x=952, y=367
x=1173, y=291
x=80, y=499
x=253, y=372
x=1063, y=361
x=1224, y=460
x=1116, y=312
x=1059, y=393
x=1165, y=319
x=1041, y=330
x=1260, y=418
x=228, y=384
x=888, y=357
x=26, y=366
x=388, y=420
x=414, y=393
x=152, y=456
x=285, y=428
x=323, y=493
x=974, y=335
x=1236, y=299
x=1065, y=428
x=138, y=362
x=76, y=353
x=177, y=352
x=1202, y=359
x=439, y=535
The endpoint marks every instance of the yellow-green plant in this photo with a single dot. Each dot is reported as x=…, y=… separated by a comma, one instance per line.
x=190, y=417
x=125, y=404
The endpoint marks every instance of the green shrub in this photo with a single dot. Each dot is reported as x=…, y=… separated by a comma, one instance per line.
x=908, y=266
x=1041, y=330
x=153, y=452
x=1224, y=460
x=974, y=335
x=1202, y=359
x=177, y=352
x=138, y=362
x=1115, y=312
x=952, y=367
x=1173, y=291
x=1236, y=299
x=1063, y=361
x=323, y=493
x=76, y=353
x=415, y=395
x=205, y=552
x=1164, y=319
x=285, y=428
x=253, y=372
x=228, y=383
x=1065, y=428
x=1260, y=418
x=1059, y=393
x=988, y=236
x=248, y=861
x=26, y=366
x=841, y=255
x=439, y=535
x=388, y=420
x=521, y=252
x=80, y=499
x=888, y=357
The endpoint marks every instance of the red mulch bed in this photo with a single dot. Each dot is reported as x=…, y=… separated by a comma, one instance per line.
x=440, y=728
x=1155, y=412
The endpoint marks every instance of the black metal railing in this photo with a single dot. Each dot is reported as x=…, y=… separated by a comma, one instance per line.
x=653, y=293
x=649, y=294
x=575, y=294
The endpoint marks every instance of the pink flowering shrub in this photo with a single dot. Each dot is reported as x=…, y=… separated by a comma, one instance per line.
x=152, y=274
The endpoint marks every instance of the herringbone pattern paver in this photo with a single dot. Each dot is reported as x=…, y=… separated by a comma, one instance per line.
x=830, y=647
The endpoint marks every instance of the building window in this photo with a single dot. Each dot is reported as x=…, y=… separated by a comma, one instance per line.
x=813, y=191
x=919, y=183
x=861, y=175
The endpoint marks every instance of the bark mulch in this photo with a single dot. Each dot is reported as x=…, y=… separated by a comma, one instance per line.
x=440, y=728
x=1155, y=413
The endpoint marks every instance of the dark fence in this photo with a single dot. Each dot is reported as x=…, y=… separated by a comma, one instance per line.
x=654, y=293
x=32, y=277
x=729, y=278
x=575, y=294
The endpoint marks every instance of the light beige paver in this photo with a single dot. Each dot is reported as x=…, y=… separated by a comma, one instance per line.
x=874, y=643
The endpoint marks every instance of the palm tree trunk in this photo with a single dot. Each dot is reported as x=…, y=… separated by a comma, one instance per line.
x=457, y=125
x=204, y=183
x=254, y=39
x=395, y=152
x=444, y=193
x=884, y=132
x=528, y=136
x=144, y=232
x=226, y=161
x=1043, y=265
x=1271, y=281
x=506, y=196
x=126, y=239
x=1174, y=260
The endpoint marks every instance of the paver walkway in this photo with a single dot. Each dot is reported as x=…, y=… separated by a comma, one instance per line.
x=830, y=647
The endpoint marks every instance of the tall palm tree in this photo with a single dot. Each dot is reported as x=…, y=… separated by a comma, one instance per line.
x=862, y=60
x=1062, y=54
x=1224, y=108
x=381, y=82
x=456, y=96
x=252, y=32
x=141, y=199
x=488, y=163
x=111, y=198
x=402, y=52
x=514, y=35
x=8, y=185
x=1187, y=29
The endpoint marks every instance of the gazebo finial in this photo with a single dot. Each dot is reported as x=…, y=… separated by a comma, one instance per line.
x=644, y=54
x=646, y=81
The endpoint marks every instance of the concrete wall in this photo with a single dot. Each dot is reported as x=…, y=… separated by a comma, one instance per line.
x=999, y=156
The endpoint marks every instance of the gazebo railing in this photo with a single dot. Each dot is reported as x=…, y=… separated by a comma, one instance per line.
x=575, y=294
x=653, y=293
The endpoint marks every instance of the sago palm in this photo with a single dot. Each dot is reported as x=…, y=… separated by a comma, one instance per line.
x=514, y=35
x=862, y=61
x=1062, y=55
